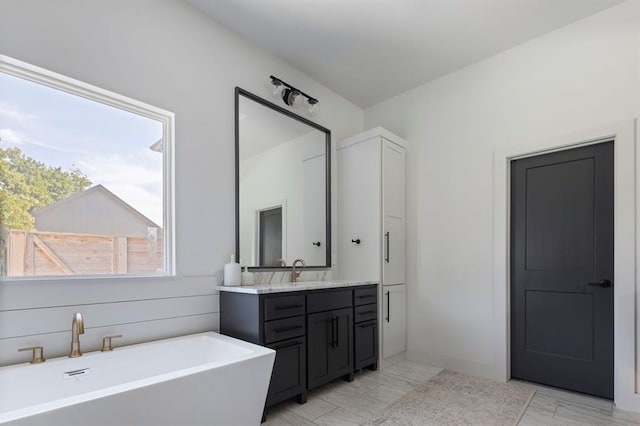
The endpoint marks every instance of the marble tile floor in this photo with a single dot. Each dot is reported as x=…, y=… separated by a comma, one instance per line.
x=552, y=406
x=343, y=404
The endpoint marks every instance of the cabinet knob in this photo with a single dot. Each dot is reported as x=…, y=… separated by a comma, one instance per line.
x=317, y=243
x=357, y=241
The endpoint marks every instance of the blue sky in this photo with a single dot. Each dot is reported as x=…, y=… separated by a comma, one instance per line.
x=109, y=145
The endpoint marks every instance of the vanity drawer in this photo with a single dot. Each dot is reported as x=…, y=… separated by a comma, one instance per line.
x=365, y=313
x=330, y=300
x=363, y=296
x=283, y=329
x=283, y=307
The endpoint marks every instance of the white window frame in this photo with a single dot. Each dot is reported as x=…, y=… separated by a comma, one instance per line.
x=72, y=86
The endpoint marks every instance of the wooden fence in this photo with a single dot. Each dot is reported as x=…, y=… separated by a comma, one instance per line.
x=51, y=253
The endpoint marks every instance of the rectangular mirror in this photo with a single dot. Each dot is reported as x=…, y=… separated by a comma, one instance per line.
x=283, y=176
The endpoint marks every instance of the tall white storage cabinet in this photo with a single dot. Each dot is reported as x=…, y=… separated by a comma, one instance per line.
x=371, y=225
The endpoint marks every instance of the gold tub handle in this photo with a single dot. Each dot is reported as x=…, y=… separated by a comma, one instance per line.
x=38, y=354
x=106, y=342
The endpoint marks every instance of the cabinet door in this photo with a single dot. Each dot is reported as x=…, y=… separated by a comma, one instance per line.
x=393, y=213
x=330, y=346
x=393, y=251
x=393, y=179
x=359, y=198
x=394, y=322
x=289, y=371
x=320, y=338
x=341, y=353
x=366, y=344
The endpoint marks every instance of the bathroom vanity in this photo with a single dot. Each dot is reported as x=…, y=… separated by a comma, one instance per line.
x=320, y=331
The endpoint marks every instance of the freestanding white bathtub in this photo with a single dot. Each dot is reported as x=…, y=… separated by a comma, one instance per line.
x=201, y=379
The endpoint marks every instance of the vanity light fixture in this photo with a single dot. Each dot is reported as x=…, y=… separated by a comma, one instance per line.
x=292, y=96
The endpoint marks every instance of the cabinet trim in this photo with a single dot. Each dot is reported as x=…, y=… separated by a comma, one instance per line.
x=376, y=132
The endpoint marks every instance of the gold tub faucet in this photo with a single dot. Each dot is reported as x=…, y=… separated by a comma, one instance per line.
x=77, y=328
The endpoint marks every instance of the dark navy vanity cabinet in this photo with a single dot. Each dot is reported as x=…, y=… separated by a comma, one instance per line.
x=318, y=335
x=366, y=327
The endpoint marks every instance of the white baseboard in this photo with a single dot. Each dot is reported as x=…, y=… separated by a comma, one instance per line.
x=454, y=364
x=392, y=360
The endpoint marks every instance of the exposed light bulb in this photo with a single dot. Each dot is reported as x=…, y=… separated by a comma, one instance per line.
x=276, y=88
x=313, y=107
x=295, y=99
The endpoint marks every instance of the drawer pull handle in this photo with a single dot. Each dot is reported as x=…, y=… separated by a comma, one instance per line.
x=333, y=332
x=366, y=312
x=283, y=329
x=388, y=318
x=371, y=324
x=388, y=257
x=282, y=308
x=288, y=345
x=366, y=296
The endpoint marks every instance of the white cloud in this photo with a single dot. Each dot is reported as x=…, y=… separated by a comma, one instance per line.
x=115, y=168
x=145, y=202
x=17, y=138
x=13, y=113
x=11, y=137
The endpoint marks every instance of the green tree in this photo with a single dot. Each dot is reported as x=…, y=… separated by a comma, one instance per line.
x=27, y=184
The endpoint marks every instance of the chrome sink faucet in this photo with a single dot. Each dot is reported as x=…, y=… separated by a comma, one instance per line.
x=295, y=274
x=77, y=328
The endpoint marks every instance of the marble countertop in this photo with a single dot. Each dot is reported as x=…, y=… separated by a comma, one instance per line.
x=298, y=286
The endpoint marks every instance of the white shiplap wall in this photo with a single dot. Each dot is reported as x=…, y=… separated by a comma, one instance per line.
x=32, y=315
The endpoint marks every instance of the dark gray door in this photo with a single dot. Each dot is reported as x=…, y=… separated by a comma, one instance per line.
x=562, y=269
x=271, y=237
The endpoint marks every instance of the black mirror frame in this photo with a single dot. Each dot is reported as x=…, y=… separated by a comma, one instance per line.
x=241, y=92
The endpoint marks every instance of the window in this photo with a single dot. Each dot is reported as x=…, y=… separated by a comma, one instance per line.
x=85, y=179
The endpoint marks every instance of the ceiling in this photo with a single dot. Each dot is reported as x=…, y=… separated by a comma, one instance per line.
x=370, y=50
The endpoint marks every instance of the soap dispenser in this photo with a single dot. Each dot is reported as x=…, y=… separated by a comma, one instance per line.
x=232, y=275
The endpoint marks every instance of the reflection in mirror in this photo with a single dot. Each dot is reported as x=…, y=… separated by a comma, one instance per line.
x=282, y=186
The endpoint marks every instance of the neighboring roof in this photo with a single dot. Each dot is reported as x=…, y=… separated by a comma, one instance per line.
x=157, y=146
x=97, y=188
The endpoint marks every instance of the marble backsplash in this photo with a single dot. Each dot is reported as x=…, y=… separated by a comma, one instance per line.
x=268, y=277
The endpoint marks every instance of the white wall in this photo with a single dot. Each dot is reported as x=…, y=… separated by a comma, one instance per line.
x=576, y=78
x=166, y=54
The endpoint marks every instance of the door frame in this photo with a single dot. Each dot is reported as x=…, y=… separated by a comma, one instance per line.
x=626, y=157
